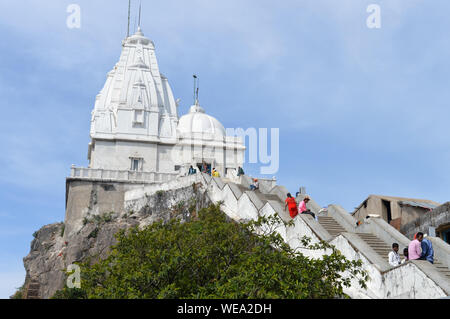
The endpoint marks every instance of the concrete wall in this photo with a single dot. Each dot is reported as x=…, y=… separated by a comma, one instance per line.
x=400, y=214
x=371, y=206
x=89, y=197
x=409, y=214
x=116, y=155
x=437, y=217
x=342, y=217
x=375, y=206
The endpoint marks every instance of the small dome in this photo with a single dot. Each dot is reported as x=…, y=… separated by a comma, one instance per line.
x=139, y=37
x=197, y=121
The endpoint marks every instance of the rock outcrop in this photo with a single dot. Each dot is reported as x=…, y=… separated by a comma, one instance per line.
x=54, y=248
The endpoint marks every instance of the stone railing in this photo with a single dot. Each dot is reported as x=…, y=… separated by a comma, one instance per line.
x=119, y=175
x=265, y=184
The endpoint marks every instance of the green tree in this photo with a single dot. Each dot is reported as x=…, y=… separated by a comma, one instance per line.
x=212, y=256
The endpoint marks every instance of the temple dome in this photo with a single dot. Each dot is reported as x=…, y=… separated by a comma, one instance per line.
x=197, y=121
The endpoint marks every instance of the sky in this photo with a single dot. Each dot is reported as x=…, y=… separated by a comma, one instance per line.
x=360, y=110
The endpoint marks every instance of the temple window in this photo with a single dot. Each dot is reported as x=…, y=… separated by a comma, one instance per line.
x=136, y=164
x=138, y=117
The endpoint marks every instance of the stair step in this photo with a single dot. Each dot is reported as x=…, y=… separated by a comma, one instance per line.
x=381, y=248
x=377, y=244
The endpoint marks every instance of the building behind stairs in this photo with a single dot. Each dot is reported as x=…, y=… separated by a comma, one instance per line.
x=408, y=215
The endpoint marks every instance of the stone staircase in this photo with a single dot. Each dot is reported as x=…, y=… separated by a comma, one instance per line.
x=379, y=246
x=32, y=292
x=266, y=197
x=240, y=203
x=443, y=269
x=331, y=225
x=334, y=228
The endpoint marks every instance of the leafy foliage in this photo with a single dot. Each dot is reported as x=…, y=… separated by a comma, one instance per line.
x=19, y=294
x=214, y=257
x=98, y=219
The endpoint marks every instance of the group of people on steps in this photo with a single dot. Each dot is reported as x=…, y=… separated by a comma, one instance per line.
x=205, y=169
x=420, y=248
x=294, y=209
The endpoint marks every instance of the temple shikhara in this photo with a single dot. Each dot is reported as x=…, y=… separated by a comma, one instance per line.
x=137, y=134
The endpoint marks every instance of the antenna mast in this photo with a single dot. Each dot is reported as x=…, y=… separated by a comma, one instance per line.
x=140, y=4
x=198, y=87
x=195, y=89
x=129, y=12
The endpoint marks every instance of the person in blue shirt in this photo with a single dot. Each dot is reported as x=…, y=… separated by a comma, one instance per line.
x=192, y=171
x=427, y=250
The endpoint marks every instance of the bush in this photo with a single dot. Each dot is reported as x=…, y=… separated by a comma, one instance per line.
x=213, y=257
x=98, y=219
x=19, y=294
x=94, y=233
x=67, y=293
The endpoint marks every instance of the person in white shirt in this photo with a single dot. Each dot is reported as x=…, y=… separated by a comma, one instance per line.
x=394, y=257
x=254, y=185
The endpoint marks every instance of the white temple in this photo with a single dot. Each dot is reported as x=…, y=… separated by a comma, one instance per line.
x=136, y=133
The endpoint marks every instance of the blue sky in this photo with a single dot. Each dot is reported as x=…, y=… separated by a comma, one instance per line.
x=361, y=111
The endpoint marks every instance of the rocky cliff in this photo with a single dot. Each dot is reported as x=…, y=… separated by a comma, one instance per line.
x=89, y=231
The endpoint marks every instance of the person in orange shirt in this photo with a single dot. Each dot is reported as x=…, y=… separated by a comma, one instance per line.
x=292, y=205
